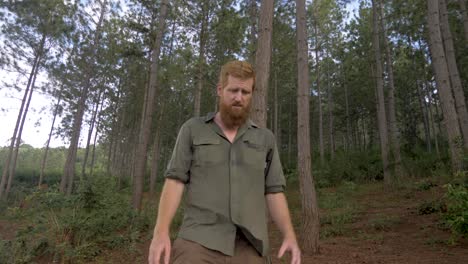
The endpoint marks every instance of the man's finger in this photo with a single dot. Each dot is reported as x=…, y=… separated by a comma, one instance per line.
x=167, y=254
x=150, y=257
x=157, y=256
x=281, y=251
x=296, y=257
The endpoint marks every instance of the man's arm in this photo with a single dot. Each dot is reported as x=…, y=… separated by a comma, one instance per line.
x=168, y=204
x=279, y=211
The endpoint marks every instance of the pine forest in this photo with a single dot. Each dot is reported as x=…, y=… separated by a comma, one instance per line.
x=366, y=100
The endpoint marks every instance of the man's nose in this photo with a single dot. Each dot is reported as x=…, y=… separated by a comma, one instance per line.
x=238, y=96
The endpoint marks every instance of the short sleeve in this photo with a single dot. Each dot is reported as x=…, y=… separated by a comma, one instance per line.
x=274, y=177
x=179, y=165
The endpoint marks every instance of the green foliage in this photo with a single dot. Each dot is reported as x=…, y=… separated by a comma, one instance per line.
x=419, y=163
x=457, y=208
x=425, y=185
x=352, y=166
x=80, y=226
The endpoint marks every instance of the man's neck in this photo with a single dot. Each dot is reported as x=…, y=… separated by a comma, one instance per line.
x=229, y=132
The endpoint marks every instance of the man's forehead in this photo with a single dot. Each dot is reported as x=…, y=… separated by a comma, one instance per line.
x=237, y=80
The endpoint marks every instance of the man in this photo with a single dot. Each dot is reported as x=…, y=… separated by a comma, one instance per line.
x=229, y=168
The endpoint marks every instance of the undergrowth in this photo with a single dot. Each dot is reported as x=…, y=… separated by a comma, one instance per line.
x=79, y=227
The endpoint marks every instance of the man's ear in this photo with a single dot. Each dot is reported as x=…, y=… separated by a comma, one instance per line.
x=219, y=89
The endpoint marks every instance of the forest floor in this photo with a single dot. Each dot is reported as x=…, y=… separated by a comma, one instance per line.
x=374, y=225
x=363, y=223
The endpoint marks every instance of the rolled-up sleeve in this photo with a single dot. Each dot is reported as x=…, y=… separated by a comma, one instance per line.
x=274, y=177
x=179, y=165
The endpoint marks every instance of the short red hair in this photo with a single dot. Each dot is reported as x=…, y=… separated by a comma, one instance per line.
x=238, y=69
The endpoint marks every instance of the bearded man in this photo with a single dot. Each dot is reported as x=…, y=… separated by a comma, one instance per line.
x=228, y=167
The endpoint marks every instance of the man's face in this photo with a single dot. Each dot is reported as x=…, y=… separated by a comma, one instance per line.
x=234, y=101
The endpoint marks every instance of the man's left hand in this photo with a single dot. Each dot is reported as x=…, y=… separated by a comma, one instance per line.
x=291, y=246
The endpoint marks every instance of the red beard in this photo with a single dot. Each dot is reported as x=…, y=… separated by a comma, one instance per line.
x=232, y=116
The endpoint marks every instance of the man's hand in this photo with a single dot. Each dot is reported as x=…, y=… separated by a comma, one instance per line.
x=291, y=246
x=280, y=214
x=160, y=245
x=170, y=199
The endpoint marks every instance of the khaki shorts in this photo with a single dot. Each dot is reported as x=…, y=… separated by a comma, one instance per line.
x=185, y=251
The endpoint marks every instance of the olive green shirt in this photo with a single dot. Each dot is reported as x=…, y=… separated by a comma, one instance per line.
x=225, y=183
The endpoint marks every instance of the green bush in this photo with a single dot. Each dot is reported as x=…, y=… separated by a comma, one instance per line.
x=419, y=163
x=80, y=226
x=457, y=209
x=353, y=166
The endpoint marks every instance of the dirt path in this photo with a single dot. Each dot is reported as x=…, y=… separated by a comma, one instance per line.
x=389, y=228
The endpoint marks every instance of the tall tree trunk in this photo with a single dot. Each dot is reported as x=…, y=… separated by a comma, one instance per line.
x=431, y=117
x=145, y=131
x=66, y=182
x=253, y=30
x=20, y=132
x=455, y=80
x=465, y=17
x=275, y=107
x=98, y=128
x=201, y=58
x=393, y=130
x=310, y=214
x=46, y=151
x=423, y=106
x=10, y=157
x=319, y=93
x=115, y=132
x=156, y=151
x=90, y=135
x=348, y=121
x=443, y=84
x=330, y=115
x=262, y=64
x=382, y=119
x=290, y=134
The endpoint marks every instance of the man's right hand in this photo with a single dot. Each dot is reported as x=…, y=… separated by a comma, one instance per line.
x=160, y=245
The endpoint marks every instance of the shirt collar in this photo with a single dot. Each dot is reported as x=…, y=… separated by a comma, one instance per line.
x=210, y=117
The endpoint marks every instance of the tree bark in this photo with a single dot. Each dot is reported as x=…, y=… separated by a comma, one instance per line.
x=262, y=64
x=394, y=132
x=319, y=93
x=455, y=80
x=381, y=115
x=443, y=84
x=147, y=118
x=201, y=58
x=310, y=214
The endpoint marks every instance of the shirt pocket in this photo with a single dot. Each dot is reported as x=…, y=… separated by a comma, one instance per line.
x=207, y=151
x=254, y=152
